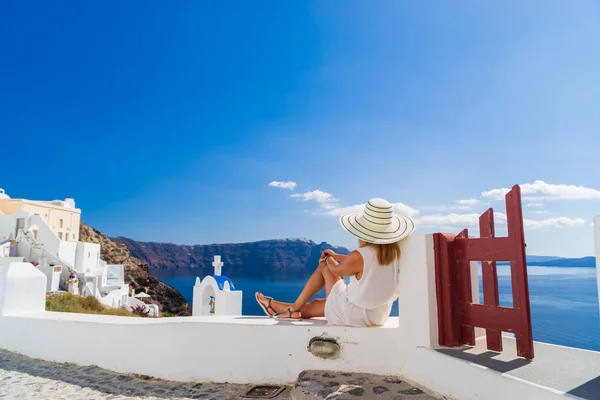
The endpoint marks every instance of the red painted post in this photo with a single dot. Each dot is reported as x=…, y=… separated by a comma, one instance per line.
x=449, y=328
x=489, y=275
x=518, y=270
x=463, y=267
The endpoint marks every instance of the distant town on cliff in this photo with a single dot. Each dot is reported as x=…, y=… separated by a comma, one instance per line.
x=289, y=257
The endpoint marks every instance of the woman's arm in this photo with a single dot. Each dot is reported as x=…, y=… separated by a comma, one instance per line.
x=352, y=265
x=338, y=257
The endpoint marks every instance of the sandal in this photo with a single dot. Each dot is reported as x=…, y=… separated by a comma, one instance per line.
x=289, y=312
x=266, y=308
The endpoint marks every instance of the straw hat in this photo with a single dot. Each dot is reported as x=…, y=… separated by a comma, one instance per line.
x=378, y=224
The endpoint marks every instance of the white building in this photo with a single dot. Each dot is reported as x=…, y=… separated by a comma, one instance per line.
x=216, y=295
x=45, y=234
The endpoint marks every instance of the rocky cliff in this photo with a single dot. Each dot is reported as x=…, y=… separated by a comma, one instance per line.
x=137, y=274
x=281, y=258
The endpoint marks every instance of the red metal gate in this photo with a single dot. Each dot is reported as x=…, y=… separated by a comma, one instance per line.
x=458, y=315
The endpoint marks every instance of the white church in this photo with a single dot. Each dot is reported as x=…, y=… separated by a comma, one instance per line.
x=216, y=295
x=46, y=234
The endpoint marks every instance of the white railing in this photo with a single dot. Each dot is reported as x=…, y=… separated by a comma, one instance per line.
x=39, y=253
x=46, y=235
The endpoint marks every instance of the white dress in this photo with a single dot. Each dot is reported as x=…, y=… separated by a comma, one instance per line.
x=368, y=301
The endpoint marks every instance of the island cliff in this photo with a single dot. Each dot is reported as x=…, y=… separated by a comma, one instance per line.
x=282, y=258
x=137, y=274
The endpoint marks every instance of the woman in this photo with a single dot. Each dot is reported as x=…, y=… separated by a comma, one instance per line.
x=373, y=270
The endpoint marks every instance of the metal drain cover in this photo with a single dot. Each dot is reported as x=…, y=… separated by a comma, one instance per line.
x=264, y=392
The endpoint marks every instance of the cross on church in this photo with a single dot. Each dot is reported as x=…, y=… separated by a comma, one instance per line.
x=218, y=265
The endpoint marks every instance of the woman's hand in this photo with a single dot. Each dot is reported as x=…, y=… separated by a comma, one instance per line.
x=351, y=264
x=327, y=252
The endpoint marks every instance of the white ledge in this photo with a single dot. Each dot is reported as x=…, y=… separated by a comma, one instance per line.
x=393, y=322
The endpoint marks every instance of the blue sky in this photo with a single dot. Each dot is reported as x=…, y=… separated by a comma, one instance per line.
x=167, y=122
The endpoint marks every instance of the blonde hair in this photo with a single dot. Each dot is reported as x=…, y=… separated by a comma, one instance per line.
x=386, y=253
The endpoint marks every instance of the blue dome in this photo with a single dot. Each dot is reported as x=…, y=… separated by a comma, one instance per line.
x=221, y=279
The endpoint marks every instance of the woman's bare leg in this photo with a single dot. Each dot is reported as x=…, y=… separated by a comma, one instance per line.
x=330, y=279
x=278, y=306
x=315, y=283
x=312, y=309
x=322, y=277
x=315, y=308
x=297, y=310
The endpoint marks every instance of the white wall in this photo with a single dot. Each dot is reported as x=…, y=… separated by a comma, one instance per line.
x=90, y=285
x=223, y=351
x=87, y=256
x=597, y=239
x=4, y=261
x=252, y=349
x=23, y=247
x=5, y=249
x=116, y=298
x=22, y=289
x=417, y=305
x=8, y=226
x=115, y=274
x=66, y=252
x=52, y=277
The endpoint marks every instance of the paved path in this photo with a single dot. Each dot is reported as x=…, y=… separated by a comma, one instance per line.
x=318, y=385
x=25, y=378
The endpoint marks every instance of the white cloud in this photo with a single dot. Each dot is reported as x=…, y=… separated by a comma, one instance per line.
x=464, y=204
x=534, y=205
x=403, y=209
x=468, y=202
x=446, y=208
x=283, y=185
x=534, y=193
x=315, y=195
x=337, y=211
x=471, y=220
x=449, y=220
x=328, y=205
x=400, y=208
x=561, y=222
x=541, y=190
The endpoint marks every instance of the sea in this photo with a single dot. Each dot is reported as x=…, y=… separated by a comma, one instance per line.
x=564, y=300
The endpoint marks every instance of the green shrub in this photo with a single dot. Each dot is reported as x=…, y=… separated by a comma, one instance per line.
x=68, y=302
x=166, y=314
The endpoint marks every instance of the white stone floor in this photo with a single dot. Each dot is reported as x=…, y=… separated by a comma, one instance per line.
x=25, y=378
x=561, y=369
